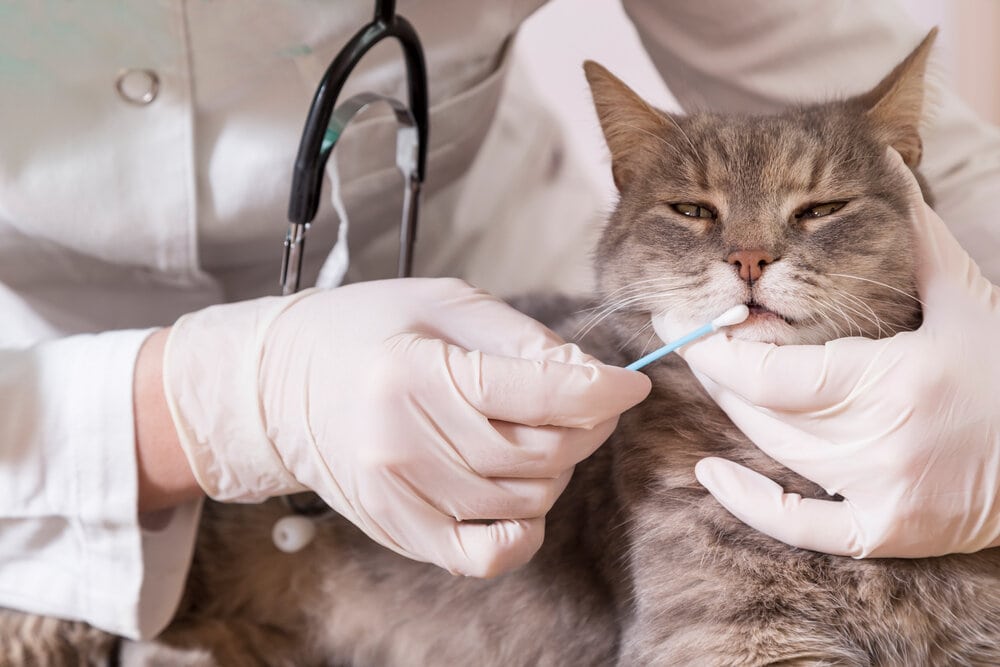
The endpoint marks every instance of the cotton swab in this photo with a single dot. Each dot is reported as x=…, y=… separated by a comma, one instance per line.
x=734, y=315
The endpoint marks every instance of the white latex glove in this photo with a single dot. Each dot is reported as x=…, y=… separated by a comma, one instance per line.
x=418, y=409
x=906, y=429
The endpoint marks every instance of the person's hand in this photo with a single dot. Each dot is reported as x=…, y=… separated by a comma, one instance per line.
x=439, y=420
x=906, y=429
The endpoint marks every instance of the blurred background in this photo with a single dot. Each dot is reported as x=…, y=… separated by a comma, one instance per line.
x=544, y=238
x=967, y=54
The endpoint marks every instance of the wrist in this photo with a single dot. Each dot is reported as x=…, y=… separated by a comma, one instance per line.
x=214, y=391
x=164, y=474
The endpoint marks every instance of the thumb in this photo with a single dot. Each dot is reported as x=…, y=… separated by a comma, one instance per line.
x=817, y=525
x=943, y=267
x=489, y=549
x=786, y=377
x=539, y=393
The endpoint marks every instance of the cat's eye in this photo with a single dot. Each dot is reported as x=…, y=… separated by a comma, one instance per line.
x=694, y=210
x=820, y=210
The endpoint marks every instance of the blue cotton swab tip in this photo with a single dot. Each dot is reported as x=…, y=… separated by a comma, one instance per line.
x=734, y=315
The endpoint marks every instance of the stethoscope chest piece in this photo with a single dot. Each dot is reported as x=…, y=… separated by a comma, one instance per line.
x=293, y=533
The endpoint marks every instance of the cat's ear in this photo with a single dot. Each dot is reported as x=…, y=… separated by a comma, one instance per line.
x=627, y=120
x=896, y=104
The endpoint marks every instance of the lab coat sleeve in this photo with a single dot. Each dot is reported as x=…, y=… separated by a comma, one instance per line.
x=71, y=543
x=760, y=55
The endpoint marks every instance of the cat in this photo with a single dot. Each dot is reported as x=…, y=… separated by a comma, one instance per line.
x=799, y=215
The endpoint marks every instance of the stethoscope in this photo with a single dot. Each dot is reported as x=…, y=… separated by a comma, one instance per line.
x=324, y=126
x=326, y=122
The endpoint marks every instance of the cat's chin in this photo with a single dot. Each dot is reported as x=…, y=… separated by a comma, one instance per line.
x=766, y=329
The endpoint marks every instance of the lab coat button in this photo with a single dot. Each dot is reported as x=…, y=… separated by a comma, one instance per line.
x=137, y=86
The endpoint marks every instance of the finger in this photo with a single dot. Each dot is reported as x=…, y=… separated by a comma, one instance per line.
x=911, y=184
x=817, y=525
x=489, y=550
x=441, y=478
x=945, y=272
x=409, y=524
x=538, y=451
x=818, y=448
x=784, y=437
x=481, y=499
x=523, y=498
x=540, y=393
x=788, y=377
x=449, y=399
x=476, y=549
x=942, y=265
x=476, y=320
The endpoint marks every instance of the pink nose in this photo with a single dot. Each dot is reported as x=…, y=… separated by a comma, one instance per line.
x=750, y=263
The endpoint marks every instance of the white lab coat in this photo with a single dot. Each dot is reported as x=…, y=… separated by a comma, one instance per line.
x=116, y=217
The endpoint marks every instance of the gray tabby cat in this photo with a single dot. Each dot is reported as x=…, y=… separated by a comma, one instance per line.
x=799, y=215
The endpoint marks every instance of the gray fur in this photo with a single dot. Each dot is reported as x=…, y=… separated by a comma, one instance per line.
x=640, y=565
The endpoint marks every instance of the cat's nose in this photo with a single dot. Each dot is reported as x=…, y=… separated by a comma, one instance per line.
x=750, y=263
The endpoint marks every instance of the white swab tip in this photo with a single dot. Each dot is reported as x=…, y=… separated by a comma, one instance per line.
x=734, y=315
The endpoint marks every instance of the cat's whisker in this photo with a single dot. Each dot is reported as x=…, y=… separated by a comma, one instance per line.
x=878, y=321
x=888, y=304
x=649, y=341
x=823, y=315
x=586, y=327
x=635, y=335
x=836, y=297
x=608, y=303
x=881, y=284
x=694, y=151
x=845, y=301
x=643, y=130
x=635, y=284
x=603, y=312
x=643, y=286
x=888, y=326
x=832, y=326
x=638, y=287
x=688, y=140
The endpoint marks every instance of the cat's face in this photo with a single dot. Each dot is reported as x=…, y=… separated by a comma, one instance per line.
x=802, y=216
x=796, y=216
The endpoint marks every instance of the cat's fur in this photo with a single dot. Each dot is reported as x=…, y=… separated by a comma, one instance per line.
x=640, y=566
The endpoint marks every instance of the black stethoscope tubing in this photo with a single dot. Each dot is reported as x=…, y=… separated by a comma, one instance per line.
x=310, y=162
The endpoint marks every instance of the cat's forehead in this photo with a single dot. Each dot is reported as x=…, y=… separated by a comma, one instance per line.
x=796, y=151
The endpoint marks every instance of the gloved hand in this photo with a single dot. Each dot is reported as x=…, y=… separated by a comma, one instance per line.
x=418, y=409
x=906, y=429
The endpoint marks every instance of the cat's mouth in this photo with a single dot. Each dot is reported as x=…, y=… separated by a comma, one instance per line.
x=760, y=312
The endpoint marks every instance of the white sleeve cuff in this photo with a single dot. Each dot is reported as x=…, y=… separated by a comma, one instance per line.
x=71, y=544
